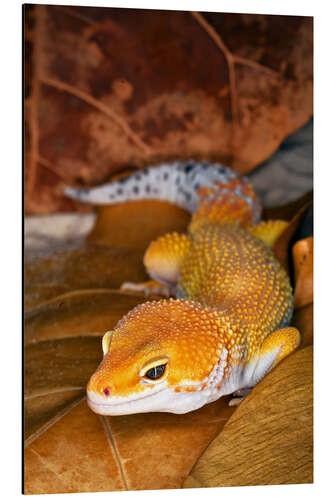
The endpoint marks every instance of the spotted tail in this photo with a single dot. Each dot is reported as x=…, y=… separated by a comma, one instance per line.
x=201, y=188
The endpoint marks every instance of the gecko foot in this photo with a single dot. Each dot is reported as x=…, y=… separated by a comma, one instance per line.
x=148, y=288
x=235, y=401
x=239, y=395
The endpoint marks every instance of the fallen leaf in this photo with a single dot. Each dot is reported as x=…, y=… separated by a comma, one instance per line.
x=55, y=375
x=84, y=312
x=269, y=439
x=82, y=266
x=98, y=99
x=42, y=410
x=289, y=210
x=282, y=244
x=303, y=272
x=303, y=320
x=81, y=451
x=112, y=254
x=73, y=455
x=136, y=224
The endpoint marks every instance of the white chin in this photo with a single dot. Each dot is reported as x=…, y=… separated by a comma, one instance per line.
x=165, y=400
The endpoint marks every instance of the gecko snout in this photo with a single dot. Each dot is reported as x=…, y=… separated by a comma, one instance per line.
x=97, y=385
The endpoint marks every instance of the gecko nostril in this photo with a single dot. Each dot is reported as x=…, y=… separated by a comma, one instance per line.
x=107, y=391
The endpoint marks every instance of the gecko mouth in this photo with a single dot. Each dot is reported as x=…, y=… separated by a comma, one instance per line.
x=163, y=400
x=125, y=406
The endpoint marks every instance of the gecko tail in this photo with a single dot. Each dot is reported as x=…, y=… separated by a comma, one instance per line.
x=189, y=185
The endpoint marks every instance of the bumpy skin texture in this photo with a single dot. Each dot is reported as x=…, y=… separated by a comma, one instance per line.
x=233, y=271
x=165, y=257
x=226, y=329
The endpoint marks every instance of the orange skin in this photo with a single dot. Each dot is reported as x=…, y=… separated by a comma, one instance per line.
x=183, y=332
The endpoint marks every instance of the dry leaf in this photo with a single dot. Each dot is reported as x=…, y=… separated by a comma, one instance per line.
x=112, y=254
x=99, y=100
x=303, y=272
x=269, y=439
x=289, y=210
x=84, y=312
x=136, y=224
x=83, y=451
x=303, y=320
x=83, y=266
x=282, y=244
x=56, y=373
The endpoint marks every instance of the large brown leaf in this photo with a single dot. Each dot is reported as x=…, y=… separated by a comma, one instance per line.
x=84, y=312
x=269, y=439
x=303, y=265
x=112, y=254
x=293, y=213
x=114, y=88
x=136, y=224
x=82, y=266
x=63, y=455
x=303, y=320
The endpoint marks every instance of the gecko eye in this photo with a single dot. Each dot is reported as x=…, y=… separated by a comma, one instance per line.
x=156, y=372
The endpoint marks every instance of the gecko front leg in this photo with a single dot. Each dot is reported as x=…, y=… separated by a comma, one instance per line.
x=274, y=349
x=162, y=260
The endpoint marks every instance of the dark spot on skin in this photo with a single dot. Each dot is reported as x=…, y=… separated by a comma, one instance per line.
x=82, y=192
x=123, y=180
x=177, y=181
x=186, y=194
x=148, y=188
x=137, y=177
x=120, y=191
x=222, y=170
x=188, y=168
x=196, y=185
x=165, y=176
x=145, y=172
x=111, y=196
x=204, y=166
x=135, y=189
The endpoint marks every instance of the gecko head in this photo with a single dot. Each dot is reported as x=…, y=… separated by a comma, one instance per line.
x=159, y=357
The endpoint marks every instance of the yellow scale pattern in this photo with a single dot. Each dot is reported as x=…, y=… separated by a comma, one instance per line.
x=230, y=270
x=237, y=296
